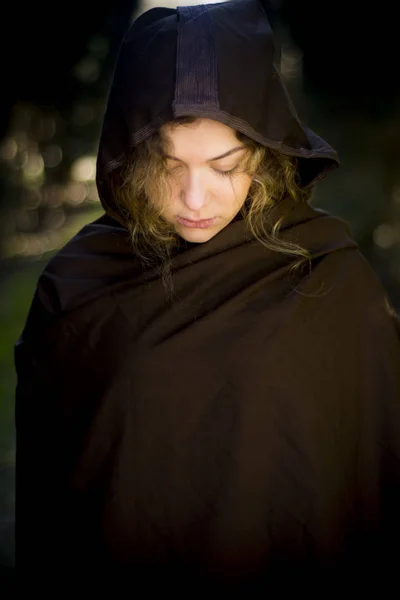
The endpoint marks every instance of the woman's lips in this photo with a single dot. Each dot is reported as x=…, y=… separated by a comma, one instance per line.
x=196, y=224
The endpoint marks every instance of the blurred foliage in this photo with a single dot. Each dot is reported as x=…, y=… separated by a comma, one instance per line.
x=56, y=77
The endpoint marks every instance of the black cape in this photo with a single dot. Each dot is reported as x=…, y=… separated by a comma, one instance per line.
x=247, y=434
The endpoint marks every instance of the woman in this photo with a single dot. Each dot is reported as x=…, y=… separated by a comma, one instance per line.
x=208, y=379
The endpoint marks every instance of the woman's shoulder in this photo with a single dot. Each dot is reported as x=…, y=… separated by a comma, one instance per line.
x=97, y=239
x=79, y=274
x=84, y=266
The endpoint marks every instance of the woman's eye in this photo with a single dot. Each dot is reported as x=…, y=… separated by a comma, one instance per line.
x=173, y=169
x=228, y=173
x=176, y=169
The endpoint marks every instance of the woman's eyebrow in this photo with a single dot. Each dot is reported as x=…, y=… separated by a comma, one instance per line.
x=211, y=159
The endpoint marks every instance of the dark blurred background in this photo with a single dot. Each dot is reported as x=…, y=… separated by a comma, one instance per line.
x=340, y=64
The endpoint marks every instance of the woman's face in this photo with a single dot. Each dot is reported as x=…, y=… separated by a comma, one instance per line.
x=205, y=178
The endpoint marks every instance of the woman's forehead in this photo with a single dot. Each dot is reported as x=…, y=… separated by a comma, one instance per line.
x=203, y=135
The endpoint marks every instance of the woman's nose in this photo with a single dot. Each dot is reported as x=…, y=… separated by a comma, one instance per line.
x=193, y=191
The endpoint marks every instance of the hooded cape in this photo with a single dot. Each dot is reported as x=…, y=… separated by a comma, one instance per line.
x=247, y=433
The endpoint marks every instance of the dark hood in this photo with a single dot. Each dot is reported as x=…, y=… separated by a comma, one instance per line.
x=212, y=61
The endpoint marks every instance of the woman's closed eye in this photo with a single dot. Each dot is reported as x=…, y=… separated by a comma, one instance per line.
x=177, y=168
x=226, y=173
